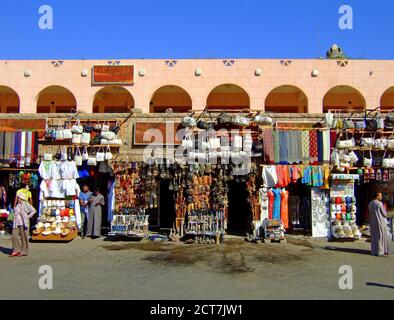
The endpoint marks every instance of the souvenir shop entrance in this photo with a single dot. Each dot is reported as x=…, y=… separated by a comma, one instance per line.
x=166, y=212
x=239, y=209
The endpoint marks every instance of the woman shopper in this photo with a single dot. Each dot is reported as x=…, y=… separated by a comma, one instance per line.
x=95, y=214
x=20, y=231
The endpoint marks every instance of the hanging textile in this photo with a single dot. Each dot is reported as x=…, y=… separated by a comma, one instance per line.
x=275, y=136
x=305, y=146
x=283, y=146
x=326, y=146
x=319, y=146
x=268, y=143
x=284, y=208
x=313, y=152
x=277, y=200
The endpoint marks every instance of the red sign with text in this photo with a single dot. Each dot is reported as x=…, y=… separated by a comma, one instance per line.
x=113, y=75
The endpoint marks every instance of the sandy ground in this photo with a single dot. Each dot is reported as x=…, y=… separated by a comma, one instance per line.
x=96, y=269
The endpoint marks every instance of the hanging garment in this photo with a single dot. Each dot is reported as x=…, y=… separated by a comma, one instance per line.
x=264, y=204
x=294, y=209
x=307, y=176
x=275, y=136
x=283, y=146
x=317, y=176
x=271, y=200
x=2, y=158
x=295, y=152
x=284, y=208
x=319, y=135
x=305, y=146
x=333, y=140
x=277, y=201
x=269, y=175
x=313, y=151
x=295, y=173
x=326, y=177
x=326, y=146
x=268, y=144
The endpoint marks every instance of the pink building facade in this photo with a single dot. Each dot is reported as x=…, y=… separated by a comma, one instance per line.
x=277, y=85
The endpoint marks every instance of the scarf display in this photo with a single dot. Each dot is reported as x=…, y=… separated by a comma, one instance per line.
x=20, y=148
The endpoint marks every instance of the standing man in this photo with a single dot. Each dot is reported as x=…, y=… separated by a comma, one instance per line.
x=95, y=214
x=84, y=202
x=378, y=227
x=20, y=231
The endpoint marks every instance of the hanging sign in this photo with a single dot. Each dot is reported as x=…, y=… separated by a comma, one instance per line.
x=122, y=75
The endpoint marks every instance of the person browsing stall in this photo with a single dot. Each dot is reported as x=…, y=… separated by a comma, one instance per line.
x=95, y=214
x=84, y=197
x=378, y=227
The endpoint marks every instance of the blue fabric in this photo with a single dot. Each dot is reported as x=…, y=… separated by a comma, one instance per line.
x=277, y=200
x=111, y=200
x=320, y=146
x=306, y=179
x=283, y=146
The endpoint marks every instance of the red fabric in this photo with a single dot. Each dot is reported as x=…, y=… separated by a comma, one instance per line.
x=284, y=209
x=271, y=199
x=313, y=151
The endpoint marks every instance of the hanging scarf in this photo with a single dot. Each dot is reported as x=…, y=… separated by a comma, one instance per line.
x=305, y=146
x=313, y=152
x=268, y=143
x=283, y=146
x=275, y=136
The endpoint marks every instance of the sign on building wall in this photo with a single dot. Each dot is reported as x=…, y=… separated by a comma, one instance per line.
x=121, y=75
x=157, y=133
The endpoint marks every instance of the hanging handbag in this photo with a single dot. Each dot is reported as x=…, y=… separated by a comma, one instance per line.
x=368, y=162
x=189, y=122
x=67, y=134
x=214, y=143
x=380, y=122
x=92, y=160
x=78, y=157
x=348, y=124
x=108, y=154
x=187, y=142
x=85, y=154
x=371, y=124
x=368, y=142
x=359, y=124
x=85, y=138
x=77, y=128
x=390, y=143
x=226, y=119
x=262, y=121
x=346, y=144
x=108, y=135
x=204, y=143
x=387, y=163
x=88, y=128
x=241, y=121
x=389, y=122
x=353, y=157
x=58, y=154
x=70, y=155
x=59, y=134
x=47, y=157
x=380, y=144
x=100, y=155
x=97, y=127
x=76, y=138
x=105, y=127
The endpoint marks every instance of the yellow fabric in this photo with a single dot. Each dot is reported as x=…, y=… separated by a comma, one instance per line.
x=25, y=192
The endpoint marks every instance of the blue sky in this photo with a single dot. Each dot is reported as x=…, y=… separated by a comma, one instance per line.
x=92, y=29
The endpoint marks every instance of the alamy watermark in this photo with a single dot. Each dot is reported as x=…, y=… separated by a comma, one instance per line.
x=346, y=20
x=45, y=282
x=45, y=22
x=345, y=282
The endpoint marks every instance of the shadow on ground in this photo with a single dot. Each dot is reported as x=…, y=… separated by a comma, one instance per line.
x=6, y=251
x=348, y=250
x=379, y=285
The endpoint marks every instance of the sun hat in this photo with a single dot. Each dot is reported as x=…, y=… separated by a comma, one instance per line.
x=47, y=225
x=66, y=232
x=47, y=232
x=57, y=231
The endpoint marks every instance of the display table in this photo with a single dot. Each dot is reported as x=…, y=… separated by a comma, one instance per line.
x=55, y=237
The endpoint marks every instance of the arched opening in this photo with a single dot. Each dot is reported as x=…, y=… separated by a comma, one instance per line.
x=113, y=99
x=387, y=100
x=286, y=99
x=228, y=97
x=170, y=97
x=9, y=100
x=56, y=99
x=343, y=98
